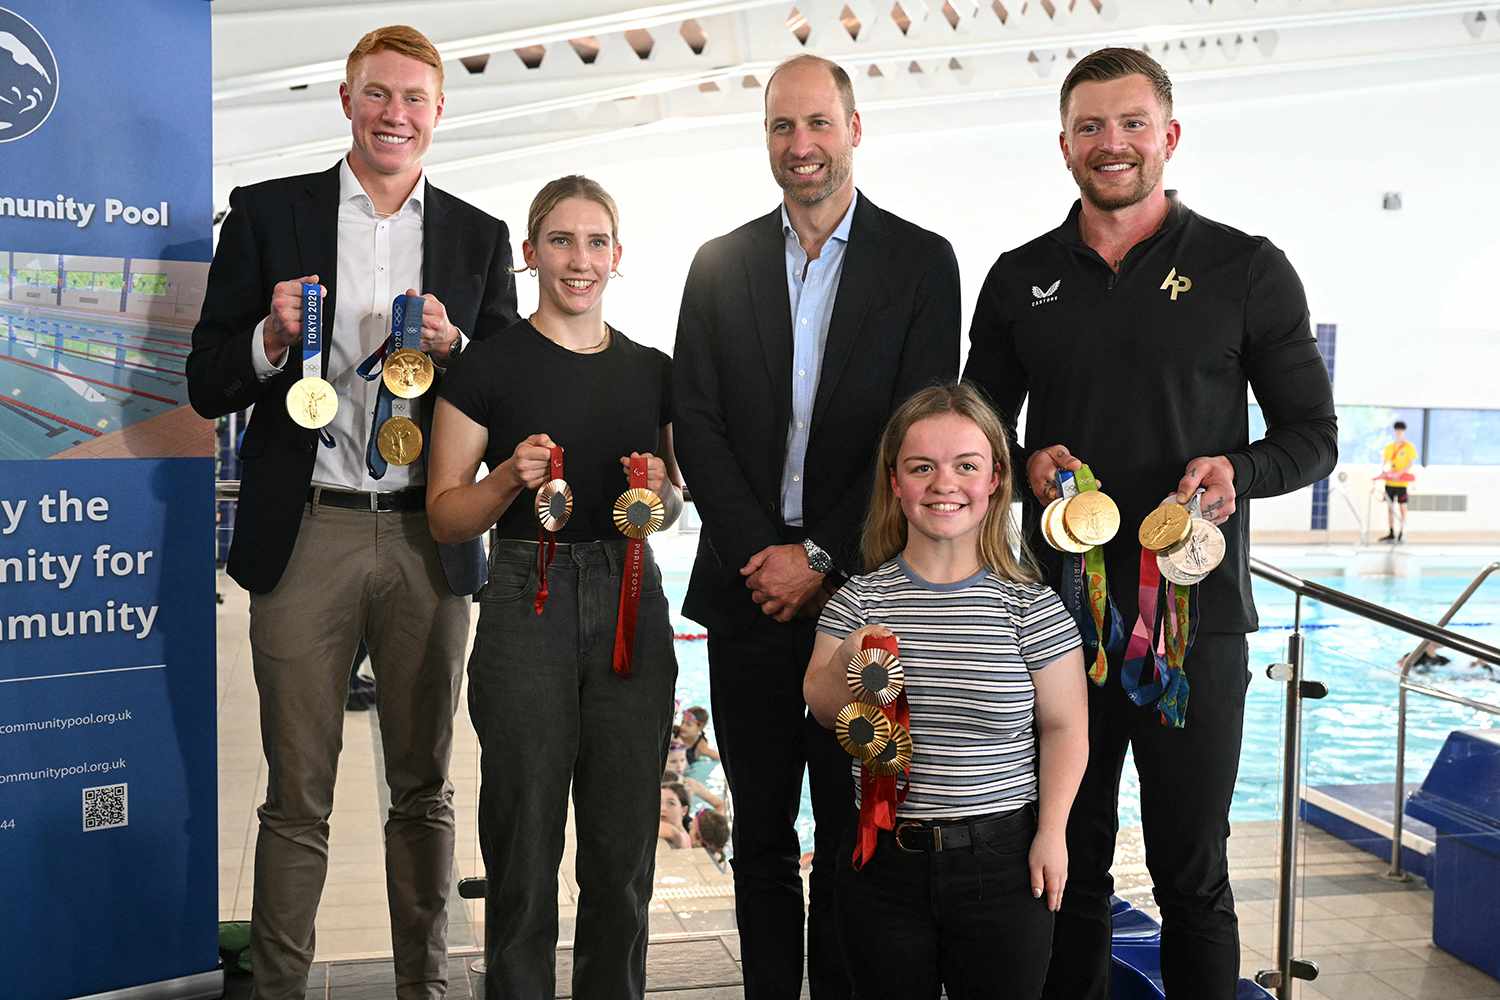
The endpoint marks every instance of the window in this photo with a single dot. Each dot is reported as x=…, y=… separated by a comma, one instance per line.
x=148, y=284
x=1463, y=437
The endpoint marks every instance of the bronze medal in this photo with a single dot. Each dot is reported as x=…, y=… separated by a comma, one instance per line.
x=407, y=373
x=311, y=402
x=862, y=730
x=399, y=441
x=876, y=676
x=554, y=504
x=638, y=512
x=895, y=757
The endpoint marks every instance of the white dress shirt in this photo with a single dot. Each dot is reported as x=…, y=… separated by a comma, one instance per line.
x=378, y=259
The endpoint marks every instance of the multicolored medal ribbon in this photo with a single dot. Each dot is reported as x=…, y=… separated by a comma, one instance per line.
x=1078, y=524
x=554, y=505
x=1178, y=550
x=875, y=729
x=311, y=401
x=638, y=512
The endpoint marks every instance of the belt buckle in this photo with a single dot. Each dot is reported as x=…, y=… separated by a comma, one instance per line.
x=902, y=826
x=374, y=499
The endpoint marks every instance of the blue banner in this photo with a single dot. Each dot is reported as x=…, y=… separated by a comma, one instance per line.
x=108, y=769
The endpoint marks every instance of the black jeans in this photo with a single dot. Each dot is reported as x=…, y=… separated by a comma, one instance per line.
x=1187, y=779
x=963, y=920
x=766, y=736
x=550, y=712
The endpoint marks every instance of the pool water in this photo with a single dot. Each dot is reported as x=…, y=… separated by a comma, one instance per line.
x=1349, y=737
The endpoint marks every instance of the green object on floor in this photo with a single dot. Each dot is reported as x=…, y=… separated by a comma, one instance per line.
x=234, y=945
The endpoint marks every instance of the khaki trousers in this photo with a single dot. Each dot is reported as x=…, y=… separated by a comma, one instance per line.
x=356, y=574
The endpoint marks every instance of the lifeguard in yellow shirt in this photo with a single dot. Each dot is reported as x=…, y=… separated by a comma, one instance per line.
x=1396, y=460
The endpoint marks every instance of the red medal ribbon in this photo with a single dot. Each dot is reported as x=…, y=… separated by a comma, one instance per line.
x=630, y=583
x=546, y=541
x=879, y=795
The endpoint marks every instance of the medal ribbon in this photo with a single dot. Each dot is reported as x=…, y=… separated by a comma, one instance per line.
x=1108, y=630
x=312, y=331
x=879, y=795
x=546, y=541
x=1143, y=653
x=406, y=329
x=630, y=583
x=1181, y=630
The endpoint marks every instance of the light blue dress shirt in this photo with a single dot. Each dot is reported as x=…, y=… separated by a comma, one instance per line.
x=812, y=286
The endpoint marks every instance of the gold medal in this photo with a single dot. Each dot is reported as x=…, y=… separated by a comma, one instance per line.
x=407, y=373
x=399, y=441
x=311, y=402
x=862, y=730
x=1091, y=517
x=1055, y=530
x=895, y=757
x=554, y=504
x=876, y=676
x=639, y=512
x=1164, y=527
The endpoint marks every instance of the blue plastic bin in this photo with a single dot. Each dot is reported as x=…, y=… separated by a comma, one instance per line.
x=1461, y=799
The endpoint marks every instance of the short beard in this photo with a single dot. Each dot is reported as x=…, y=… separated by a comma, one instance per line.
x=840, y=169
x=1145, y=183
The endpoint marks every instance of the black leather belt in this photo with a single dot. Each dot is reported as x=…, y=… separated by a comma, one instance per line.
x=412, y=498
x=933, y=837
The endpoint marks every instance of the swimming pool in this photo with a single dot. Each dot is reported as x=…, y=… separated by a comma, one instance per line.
x=70, y=379
x=1349, y=736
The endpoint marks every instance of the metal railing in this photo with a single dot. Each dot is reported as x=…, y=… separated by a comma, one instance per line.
x=1288, y=967
x=1410, y=660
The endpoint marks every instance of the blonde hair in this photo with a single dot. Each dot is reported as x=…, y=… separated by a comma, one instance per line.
x=558, y=191
x=1001, y=549
x=401, y=39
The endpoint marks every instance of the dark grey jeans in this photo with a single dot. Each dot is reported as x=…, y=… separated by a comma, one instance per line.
x=550, y=711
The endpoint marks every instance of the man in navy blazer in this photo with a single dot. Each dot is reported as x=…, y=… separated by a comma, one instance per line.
x=331, y=538
x=800, y=332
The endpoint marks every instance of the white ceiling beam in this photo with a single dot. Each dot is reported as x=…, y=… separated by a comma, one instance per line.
x=295, y=22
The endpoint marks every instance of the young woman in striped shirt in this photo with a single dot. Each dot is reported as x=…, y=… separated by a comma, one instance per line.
x=964, y=887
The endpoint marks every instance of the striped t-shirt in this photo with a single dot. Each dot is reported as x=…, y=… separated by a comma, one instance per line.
x=967, y=649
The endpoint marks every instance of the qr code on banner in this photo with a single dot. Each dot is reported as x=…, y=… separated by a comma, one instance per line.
x=106, y=807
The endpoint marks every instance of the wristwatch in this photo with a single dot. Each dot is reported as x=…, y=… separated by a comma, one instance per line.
x=817, y=560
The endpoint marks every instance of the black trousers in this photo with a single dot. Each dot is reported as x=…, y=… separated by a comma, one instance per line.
x=960, y=920
x=1187, y=779
x=766, y=736
x=551, y=713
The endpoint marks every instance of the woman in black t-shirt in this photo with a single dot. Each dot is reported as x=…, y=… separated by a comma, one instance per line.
x=547, y=698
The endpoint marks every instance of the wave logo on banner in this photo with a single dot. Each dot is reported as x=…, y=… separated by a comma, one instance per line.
x=28, y=77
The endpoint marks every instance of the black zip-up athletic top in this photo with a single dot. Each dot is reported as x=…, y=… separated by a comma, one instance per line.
x=1139, y=371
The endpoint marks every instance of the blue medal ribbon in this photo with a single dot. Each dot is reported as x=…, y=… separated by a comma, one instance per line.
x=406, y=330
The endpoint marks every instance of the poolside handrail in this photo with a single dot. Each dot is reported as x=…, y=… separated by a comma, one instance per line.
x=1407, y=662
x=1287, y=966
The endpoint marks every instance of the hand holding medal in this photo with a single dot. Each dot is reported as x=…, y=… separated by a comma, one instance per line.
x=406, y=374
x=1078, y=523
x=311, y=401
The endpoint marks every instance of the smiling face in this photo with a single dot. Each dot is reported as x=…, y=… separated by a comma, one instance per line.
x=574, y=255
x=393, y=104
x=809, y=136
x=1116, y=140
x=944, y=478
